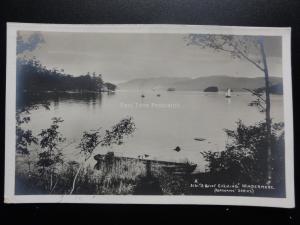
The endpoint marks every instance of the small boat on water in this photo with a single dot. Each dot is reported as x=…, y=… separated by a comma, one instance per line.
x=158, y=95
x=199, y=139
x=171, y=89
x=228, y=93
x=177, y=149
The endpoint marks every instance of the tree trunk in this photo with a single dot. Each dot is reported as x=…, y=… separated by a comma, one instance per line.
x=50, y=180
x=77, y=173
x=268, y=116
x=75, y=178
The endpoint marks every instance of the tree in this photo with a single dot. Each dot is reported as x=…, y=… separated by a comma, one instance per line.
x=243, y=159
x=99, y=82
x=51, y=153
x=32, y=76
x=110, y=86
x=90, y=141
x=24, y=138
x=251, y=49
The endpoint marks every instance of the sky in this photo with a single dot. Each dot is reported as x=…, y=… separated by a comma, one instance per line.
x=121, y=57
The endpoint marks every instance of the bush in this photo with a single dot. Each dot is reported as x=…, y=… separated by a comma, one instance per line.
x=244, y=158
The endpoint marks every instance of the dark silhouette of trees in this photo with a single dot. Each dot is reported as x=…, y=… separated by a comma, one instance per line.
x=24, y=138
x=32, y=76
x=110, y=86
x=243, y=160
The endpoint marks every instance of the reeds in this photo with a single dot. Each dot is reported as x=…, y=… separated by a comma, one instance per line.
x=117, y=176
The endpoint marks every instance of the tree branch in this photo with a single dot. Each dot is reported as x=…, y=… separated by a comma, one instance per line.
x=254, y=93
x=251, y=61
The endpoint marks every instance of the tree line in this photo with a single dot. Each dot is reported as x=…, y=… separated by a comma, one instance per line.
x=32, y=76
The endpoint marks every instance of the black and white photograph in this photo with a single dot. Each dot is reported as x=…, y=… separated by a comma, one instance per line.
x=166, y=114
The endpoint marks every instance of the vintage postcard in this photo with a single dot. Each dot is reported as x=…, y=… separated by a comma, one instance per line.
x=149, y=114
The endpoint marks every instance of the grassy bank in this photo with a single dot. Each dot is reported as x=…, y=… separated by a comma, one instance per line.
x=117, y=175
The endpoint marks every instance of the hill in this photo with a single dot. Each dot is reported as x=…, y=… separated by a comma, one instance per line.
x=151, y=83
x=197, y=84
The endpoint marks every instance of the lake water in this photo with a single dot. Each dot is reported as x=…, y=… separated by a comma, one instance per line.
x=173, y=119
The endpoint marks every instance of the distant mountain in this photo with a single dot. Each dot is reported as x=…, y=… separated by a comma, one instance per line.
x=197, y=84
x=276, y=89
x=151, y=83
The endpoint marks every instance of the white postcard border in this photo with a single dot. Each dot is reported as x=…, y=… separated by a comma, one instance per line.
x=10, y=197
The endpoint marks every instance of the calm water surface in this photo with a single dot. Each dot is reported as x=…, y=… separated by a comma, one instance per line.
x=173, y=119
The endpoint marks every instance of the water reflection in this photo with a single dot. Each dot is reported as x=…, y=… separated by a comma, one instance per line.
x=110, y=94
x=159, y=130
x=28, y=99
x=228, y=100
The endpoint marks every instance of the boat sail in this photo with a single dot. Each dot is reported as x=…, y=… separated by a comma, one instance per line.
x=228, y=93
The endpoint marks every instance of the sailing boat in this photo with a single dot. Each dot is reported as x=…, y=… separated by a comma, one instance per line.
x=228, y=93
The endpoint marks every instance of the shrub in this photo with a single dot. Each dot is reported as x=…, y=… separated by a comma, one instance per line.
x=244, y=157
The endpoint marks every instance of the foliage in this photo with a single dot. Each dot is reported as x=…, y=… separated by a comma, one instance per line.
x=122, y=178
x=116, y=135
x=88, y=143
x=33, y=76
x=90, y=140
x=242, y=47
x=244, y=158
x=89, y=181
x=110, y=86
x=25, y=138
x=259, y=101
x=251, y=49
x=51, y=154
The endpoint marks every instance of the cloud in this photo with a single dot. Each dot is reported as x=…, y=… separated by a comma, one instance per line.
x=32, y=42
